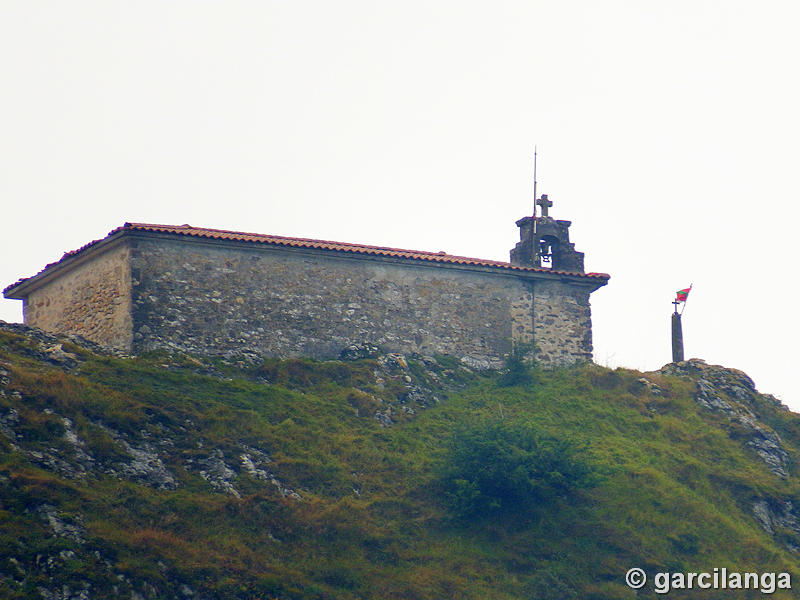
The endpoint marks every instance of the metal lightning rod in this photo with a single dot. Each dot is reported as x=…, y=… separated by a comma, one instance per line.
x=534, y=181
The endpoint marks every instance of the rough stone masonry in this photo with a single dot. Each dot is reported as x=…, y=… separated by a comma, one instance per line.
x=208, y=291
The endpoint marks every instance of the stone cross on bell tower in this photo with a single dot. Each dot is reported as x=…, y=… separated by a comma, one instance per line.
x=545, y=204
x=544, y=242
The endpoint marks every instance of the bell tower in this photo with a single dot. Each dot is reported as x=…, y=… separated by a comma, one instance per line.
x=544, y=242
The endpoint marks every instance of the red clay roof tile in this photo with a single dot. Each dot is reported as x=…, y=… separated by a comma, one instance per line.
x=338, y=246
x=259, y=238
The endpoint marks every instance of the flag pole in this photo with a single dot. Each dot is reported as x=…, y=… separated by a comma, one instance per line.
x=683, y=308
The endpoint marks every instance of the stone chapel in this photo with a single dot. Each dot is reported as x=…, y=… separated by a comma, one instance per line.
x=215, y=292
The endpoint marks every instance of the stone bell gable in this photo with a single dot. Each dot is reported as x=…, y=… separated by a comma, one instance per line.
x=544, y=242
x=209, y=291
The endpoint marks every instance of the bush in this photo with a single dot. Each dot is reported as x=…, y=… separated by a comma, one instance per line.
x=503, y=467
x=518, y=367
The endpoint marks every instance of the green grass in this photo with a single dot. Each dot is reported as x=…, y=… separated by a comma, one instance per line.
x=676, y=490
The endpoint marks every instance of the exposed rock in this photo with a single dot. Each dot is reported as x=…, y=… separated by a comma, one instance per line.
x=57, y=355
x=479, y=363
x=359, y=351
x=250, y=467
x=706, y=395
x=430, y=362
x=59, y=524
x=416, y=391
x=218, y=473
x=241, y=359
x=83, y=461
x=221, y=475
x=9, y=420
x=767, y=445
x=732, y=393
x=418, y=395
x=66, y=456
x=49, y=347
x=5, y=376
x=65, y=593
x=762, y=512
x=52, y=459
x=393, y=362
x=775, y=515
x=147, y=467
x=384, y=417
x=253, y=460
x=733, y=382
x=649, y=386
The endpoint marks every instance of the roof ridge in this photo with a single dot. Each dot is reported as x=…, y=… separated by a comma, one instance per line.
x=187, y=227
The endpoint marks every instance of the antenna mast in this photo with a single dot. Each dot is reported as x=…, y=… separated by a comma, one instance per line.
x=534, y=181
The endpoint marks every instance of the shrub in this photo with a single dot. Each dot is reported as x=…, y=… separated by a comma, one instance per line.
x=518, y=367
x=502, y=467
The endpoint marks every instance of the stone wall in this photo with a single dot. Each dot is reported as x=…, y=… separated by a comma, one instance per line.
x=562, y=323
x=141, y=291
x=91, y=297
x=220, y=297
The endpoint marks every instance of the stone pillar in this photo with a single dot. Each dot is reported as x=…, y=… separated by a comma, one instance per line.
x=677, y=338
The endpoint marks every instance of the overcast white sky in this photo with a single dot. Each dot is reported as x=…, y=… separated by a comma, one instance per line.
x=667, y=132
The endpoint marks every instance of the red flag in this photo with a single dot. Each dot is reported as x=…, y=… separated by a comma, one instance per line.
x=683, y=294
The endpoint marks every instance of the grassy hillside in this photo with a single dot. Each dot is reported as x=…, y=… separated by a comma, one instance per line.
x=184, y=477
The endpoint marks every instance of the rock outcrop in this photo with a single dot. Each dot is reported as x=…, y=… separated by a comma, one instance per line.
x=732, y=393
